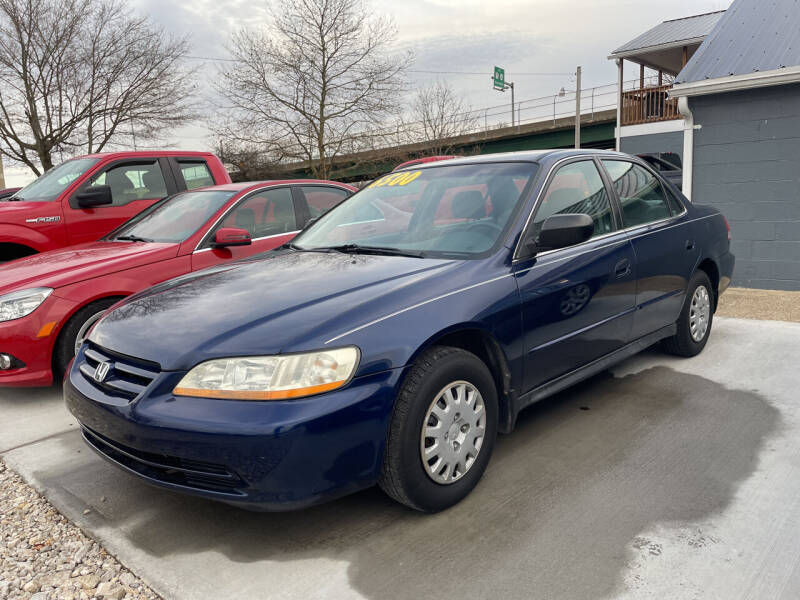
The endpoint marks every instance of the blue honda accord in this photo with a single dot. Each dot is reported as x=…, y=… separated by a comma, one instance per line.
x=399, y=333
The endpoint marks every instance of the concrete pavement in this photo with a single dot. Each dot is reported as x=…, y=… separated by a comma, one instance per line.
x=667, y=479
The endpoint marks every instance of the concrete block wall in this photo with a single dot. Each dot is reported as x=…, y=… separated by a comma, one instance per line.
x=747, y=164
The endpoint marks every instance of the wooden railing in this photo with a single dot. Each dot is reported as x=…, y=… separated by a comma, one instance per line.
x=648, y=105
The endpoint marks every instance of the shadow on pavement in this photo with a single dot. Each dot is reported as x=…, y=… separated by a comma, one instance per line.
x=557, y=514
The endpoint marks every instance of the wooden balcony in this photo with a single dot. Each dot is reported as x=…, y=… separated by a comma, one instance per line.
x=648, y=105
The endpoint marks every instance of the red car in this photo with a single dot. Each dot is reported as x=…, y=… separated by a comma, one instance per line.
x=49, y=301
x=84, y=198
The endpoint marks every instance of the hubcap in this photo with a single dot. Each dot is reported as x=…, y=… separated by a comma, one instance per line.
x=452, y=432
x=699, y=313
x=85, y=329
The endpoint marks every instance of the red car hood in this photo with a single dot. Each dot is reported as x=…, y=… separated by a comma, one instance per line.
x=65, y=266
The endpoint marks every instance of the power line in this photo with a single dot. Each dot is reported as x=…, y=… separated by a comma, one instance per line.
x=484, y=73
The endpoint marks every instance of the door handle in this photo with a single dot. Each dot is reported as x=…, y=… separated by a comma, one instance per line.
x=622, y=268
x=690, y=244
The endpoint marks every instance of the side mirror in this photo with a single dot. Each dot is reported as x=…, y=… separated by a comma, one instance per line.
x=97, y=195
x=231, y=236
x=562, y=231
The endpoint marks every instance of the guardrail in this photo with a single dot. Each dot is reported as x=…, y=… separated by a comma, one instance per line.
x=648, y=105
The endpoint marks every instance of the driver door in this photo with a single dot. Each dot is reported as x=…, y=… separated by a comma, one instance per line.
x=577, y=302
x=135, y=185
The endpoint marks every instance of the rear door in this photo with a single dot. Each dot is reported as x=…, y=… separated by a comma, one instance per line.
x=270, y=216
x=577, y=302
x=135, y=185
x=665, y=248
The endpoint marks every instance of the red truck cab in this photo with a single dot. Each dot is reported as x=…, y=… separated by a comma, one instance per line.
x=86, y=197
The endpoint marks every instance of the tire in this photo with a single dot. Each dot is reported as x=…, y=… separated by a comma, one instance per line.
x=404, y=475
x=65, y=345
x=684, y=343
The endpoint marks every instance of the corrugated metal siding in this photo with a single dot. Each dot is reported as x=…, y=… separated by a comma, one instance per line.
x=673, y=31
x=747, y=164
x=753, y=35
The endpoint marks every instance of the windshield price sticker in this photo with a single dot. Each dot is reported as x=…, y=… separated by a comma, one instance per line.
x=395, y=179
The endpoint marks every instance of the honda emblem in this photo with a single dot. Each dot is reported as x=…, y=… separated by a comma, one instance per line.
x=101, y=371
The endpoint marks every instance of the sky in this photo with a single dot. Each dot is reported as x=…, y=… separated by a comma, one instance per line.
x=524, y=37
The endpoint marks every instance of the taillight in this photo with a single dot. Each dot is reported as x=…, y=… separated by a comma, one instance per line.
x=727, y=226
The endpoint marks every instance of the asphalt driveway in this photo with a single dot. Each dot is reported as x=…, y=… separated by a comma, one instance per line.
x=667, y=478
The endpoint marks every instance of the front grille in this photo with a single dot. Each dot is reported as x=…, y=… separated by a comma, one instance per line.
x=126, y=377
x=199, y=475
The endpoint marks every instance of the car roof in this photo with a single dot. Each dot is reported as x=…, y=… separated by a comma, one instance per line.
x=524, y=156
x=251, y=185
x=146, y=153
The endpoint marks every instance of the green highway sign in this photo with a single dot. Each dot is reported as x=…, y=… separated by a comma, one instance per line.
x=499, y=78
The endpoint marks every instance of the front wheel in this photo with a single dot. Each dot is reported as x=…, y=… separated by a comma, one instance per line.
x=74, y=333
x=442, y=431
x=694, y=322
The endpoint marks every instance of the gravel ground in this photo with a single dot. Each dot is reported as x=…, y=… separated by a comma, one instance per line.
x=771, y=305
x=45, y=557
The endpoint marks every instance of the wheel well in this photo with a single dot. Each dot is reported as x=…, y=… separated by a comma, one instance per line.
x=485, y=347
x=709, y=267
x=72, y=316
x=11, y=251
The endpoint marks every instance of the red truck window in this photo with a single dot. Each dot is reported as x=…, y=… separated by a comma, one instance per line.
x=129, y=182
x=196, y=174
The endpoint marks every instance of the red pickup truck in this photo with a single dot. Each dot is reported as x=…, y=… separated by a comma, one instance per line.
x=86, y=197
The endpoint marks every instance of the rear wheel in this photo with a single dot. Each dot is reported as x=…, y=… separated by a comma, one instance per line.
x=74, y=332
x=695, y=320
x=442, y=432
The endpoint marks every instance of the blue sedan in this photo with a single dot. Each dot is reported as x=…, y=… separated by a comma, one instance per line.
x=399, y=333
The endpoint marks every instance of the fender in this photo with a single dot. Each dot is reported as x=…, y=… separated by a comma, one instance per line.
x=24, y=236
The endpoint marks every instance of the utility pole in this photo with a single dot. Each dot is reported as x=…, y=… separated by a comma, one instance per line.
x=578, y=109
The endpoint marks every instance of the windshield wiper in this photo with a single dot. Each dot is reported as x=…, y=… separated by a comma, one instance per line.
x=132, y=238
x=359, y=249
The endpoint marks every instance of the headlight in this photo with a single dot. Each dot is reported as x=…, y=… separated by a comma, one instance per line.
x=19, y=304
x=270, y=377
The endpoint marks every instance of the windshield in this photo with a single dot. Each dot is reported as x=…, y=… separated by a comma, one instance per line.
x=460, y=210
x=49, y=186
x=173, y=219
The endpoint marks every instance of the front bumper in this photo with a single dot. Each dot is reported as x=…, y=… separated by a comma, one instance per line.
x=23, y=339
x=277, y=455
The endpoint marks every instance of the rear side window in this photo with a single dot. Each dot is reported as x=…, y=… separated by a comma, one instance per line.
x=675, y=204
x=133, y=181
x=321, y=199
x=641, y=195
x=577, y=188
x=196, y=174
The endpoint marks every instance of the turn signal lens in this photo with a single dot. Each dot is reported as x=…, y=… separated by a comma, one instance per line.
x=270, y=377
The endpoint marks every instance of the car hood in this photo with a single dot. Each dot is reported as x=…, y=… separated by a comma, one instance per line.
x=73, y=264
x=283, y=301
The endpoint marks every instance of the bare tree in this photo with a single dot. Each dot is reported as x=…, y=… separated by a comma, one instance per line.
x=438, y=113
x=314, y=84
x=78, y=75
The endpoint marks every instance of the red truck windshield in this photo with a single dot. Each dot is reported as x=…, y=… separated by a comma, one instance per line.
x=49, y=186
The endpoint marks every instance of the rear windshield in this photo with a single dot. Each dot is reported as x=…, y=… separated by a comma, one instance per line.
x=49, y=186
x=174, y=219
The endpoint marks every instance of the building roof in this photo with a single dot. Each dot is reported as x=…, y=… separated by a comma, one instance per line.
x=752, y=36
x=675, y=32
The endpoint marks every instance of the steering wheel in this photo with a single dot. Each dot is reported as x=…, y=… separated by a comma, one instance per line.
x=494, y=228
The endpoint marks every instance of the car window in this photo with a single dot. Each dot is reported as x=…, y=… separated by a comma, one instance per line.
x=196, y=174
x=174, y=219
x=443, y=210
x=321, y=199
x=49, y=186
x=129, y=182
x=577, y=188
x=675, y=204
x=266, y=212
x=641, y=195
